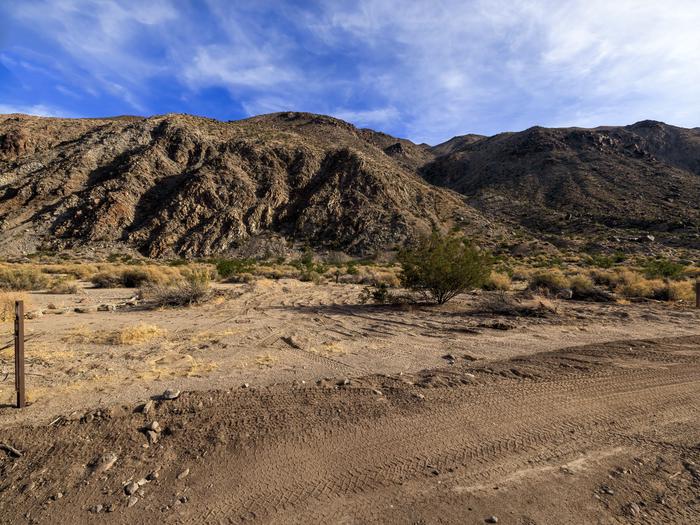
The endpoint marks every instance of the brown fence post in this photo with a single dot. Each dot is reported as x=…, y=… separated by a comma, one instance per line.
x=697, y=293
x=19, y=353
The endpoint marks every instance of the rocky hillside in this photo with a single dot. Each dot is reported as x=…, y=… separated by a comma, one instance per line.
x=642, y=179
x=189, y=186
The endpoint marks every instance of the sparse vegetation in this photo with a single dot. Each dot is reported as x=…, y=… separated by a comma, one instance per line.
x=22, y=277
x=502, y=303
x=187, y=291
x=442, y=267
x=662, y=268
x=498, y=281
x=63, y=285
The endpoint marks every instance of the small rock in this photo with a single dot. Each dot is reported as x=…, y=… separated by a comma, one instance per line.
x=419, y=396
x=183, y=474
x=142, y=482
x=58, y=495
x=344, y=382
x=171, y=393
x=12, y=451
x=35, y=314
x=152, y=436
x=607, y=490
x=634, y=509
x=153, y=476
x=449, y=357
x=153, y=425
x=106, y=308
x=96, y=509
x=377, y=392
x=104, y=462
x=133, y=500
x=491, y=519
x=147, y=407
x=130, y=488
x=51, y=306
x=245, y=385
x=84, y=309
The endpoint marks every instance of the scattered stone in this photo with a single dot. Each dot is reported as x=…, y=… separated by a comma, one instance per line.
x=58, y=496
x=245, y=385
x=96, y=509
x=51, y=306
x=171, y=393
x=130, y=488
x=35, y=314
x=106, y=308
x=153, y=476
x=491, y=519
x=154, y=426
x=142, y=482
x=607, y=490
x=419, y=396
x=104, y=462
x=183, y=474
x=12, y=451
x=147, y=407
x=377, y=392
x=152, y=436
x=133, y=500
x=84, y=309
x=344, y=382
x=449, y=357
x=634, y=509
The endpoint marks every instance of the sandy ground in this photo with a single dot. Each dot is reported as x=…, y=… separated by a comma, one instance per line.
x=353, y=415
x=283, y=331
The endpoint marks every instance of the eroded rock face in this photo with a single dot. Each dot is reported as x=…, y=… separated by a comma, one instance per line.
x=189, y=186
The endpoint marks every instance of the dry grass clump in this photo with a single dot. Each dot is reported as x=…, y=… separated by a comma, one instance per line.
x=187, y=291
x=63, y=286
x=7, y=305
x=128, y=335
x=134, y=335
x=77, y=271
x=681, y=291
x=550, y=281
x=498, y=281
x=22, y=277
x=634, y=285
x=501, y=303
x=112, y=276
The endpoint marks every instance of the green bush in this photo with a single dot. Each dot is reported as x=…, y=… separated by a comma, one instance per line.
x=227, y=268
x=663, y=268
x=443, y=267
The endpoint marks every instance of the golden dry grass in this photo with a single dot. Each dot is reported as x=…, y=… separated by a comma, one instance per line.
x=498, y=281
x=128, y=335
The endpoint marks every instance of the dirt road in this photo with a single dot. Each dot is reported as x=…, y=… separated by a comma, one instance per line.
x=604, y=433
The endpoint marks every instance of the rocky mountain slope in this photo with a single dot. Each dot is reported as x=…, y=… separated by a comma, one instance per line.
x=639, y=178
x=190, y=186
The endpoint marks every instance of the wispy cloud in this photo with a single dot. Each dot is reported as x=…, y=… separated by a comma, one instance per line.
x=426, y=70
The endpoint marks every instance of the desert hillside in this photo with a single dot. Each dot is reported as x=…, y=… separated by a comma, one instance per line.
x=190, y=186
x=632, y=180
x=179, y=185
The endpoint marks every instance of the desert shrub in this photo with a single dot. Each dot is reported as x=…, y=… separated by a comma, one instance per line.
x=311, y=276
x=605, y=278
x=501, y=303
x=78, y=271
x=681, y=291
x=136, y=277
x=551, y=281
x=633, y=285
x=17, y=278
x=498, y=281
x=106, y=279
x=663, y=268
x=187, y=291
x=228, y=268
x=111, y=276
x=132, y=335
x=7, y=305
x=443, y=267
x=378, y=293
x=63, y=286
x=351, y=268
x=581, y=284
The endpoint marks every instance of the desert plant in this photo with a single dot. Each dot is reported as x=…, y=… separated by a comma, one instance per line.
x=22, y=278
x=663, y=268
x=552, y=281
x=228, y=268
x=379, y=293
x=498, y=281
x=63, y=285
x=443, y=267
x=187, y=291
x=7, y=304
x=501, y=303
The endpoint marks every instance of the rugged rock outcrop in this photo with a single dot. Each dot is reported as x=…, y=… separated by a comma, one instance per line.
x=189, y=186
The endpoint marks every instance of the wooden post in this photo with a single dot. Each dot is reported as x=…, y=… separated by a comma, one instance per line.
x=697, y=293
x=19, y=354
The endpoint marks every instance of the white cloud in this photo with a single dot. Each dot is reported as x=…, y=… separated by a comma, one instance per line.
x=383, y=117
x=40, y=110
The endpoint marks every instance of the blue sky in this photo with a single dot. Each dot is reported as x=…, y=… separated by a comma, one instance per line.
x=425, y=70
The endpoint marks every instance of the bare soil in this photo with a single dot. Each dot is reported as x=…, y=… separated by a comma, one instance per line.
x=354, y=414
